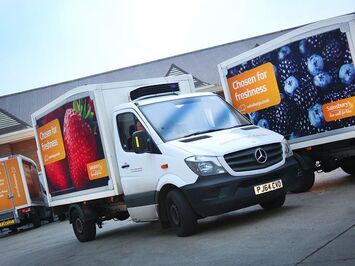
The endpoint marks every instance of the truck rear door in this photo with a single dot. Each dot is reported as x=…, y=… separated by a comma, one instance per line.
x=7, y=206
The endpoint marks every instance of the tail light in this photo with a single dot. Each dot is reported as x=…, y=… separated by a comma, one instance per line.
x=25, y=210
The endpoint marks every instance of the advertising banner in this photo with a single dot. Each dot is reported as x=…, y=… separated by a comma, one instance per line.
x=71, y=148
x=303, y=88
x=16, y=182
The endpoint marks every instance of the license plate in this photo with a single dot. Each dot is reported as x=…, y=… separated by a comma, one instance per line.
x=264, y=188
x=6, y=223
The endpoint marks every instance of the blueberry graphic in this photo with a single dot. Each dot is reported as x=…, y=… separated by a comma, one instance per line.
x=284, y=52
x=254, y=116
x=263, y=123
x=347, y=73
x=294, y=135
x=302, y=46
x=315, y=64
x=322, y=80
x=291, y=84
x=315, y=115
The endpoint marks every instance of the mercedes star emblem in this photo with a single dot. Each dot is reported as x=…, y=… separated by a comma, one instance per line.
x=260, y=155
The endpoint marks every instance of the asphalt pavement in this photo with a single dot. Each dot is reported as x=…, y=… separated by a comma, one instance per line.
x=313, y=228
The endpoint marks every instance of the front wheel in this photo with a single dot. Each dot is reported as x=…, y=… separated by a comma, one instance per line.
x=305, y=181
x=84, y=230
x=181, y=217
x=348, y=166
x=273, y=203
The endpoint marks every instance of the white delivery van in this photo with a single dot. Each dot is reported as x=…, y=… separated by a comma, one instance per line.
x=21, y=197
x=302, y=85
x=150, y=149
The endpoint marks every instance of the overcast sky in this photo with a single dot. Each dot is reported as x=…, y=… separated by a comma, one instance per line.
x=43, y=42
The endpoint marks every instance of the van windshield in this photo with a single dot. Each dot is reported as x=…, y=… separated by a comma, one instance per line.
x=191, y=116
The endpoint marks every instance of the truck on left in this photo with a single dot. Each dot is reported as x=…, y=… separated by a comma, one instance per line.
x=21, y=196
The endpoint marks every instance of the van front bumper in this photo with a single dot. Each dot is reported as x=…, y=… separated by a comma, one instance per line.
x=212, y=195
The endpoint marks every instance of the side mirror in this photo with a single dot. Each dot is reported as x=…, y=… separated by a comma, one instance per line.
x=139, y=142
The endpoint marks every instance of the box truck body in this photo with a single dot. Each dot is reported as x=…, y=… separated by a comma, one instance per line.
x=21, y=197
x=151, y=149
x=302, y=85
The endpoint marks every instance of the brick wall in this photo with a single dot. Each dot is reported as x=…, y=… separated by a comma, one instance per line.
x=26, y=148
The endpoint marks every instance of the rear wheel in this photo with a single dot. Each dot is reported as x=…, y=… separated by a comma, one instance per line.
x=181, y=217
x=348, y=166
x=84, y=230
x=13, y=229
x=273, y=203
x=305, y=181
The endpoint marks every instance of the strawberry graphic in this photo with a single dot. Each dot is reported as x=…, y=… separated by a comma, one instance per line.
x=79, y=141
x=57, y=175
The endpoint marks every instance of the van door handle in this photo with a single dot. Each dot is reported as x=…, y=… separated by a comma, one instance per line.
x=125, y=166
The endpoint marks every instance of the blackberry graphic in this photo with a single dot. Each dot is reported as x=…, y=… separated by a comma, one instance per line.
x=315, y=43
x=282, y=121
x=350, y=90
x=305, y=96
x=303, y=66
x=343, y=39
x=303, y=126
x=287, y=68
x=333, y=71
x=277, y=118
x=333, y=53
x=347, y=57
x=260, y=60
x=348, y=122
x=335, y=96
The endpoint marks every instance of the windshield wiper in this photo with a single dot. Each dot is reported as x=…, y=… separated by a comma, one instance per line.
x=212, y=130
x=202, y=132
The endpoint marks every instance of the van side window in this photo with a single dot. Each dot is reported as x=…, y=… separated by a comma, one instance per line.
x=126, y=124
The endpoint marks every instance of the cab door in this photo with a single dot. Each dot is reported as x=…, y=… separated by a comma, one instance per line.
x=139, y=172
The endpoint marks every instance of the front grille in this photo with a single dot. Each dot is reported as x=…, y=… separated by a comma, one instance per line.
x=245, y=160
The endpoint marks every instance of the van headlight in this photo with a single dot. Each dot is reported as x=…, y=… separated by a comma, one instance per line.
x=205, y=165
x=287, y=148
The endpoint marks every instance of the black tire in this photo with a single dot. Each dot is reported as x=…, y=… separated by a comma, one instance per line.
x=84, y=231
x=13, y=229
x=182, y=218
x=274, y=203
x=348, y=166
x=305, y=181
x=36, y=219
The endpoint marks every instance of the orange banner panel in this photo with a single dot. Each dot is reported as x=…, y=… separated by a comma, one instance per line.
x=254, y=89
x=16, y=184
x=5, y=202
x=51, y=142
x=339, y=109
x=97, y=169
